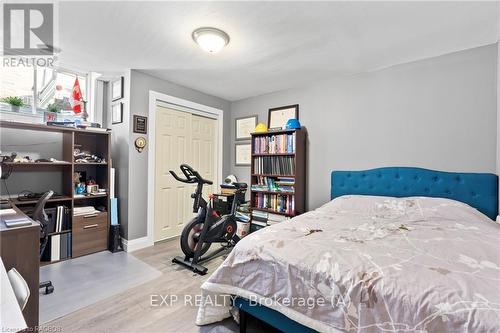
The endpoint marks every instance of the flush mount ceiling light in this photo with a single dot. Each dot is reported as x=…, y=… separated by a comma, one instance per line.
x=211, y=40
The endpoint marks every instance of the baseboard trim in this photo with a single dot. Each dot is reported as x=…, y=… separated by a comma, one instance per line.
x=136, y=244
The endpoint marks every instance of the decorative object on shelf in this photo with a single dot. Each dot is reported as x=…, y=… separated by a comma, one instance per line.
x=117, y=113
x=117, y=89
x=140, y=124
x=260, y=128
x=140, y=143
x=52, y=110
x=243, y=154
x=231, y=179
x=14, y=102
x=292, y=124
x=279, y=116
x=84, y=156
x=79, y=179
x=244, y=127
x=54, y=107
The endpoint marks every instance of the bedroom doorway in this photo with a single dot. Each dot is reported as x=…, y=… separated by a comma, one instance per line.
x=181, y=136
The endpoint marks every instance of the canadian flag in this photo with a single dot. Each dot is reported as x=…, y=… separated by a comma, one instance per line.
x=76, y=97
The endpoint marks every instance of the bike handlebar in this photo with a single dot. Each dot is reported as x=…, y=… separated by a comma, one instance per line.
x=191, y=175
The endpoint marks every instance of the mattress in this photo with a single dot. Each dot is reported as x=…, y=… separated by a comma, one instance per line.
x=369, y=264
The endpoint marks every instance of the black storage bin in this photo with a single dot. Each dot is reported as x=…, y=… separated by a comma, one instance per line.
x=115, y=240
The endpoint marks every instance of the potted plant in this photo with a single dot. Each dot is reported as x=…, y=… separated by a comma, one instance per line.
x=54, y=107
x=52, y=111
x=15, y=102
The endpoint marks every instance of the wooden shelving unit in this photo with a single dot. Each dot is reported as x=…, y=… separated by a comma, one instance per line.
x=85, y=237
x=295, y=156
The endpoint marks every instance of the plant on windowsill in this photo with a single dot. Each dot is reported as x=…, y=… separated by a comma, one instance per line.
x=51, y=112
x=54, y=107
x=15, y=102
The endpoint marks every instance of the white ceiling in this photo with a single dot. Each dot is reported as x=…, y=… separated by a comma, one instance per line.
x=274, y=45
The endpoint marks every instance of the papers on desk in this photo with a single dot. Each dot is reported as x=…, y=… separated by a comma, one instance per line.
x=8, y=211
x=84, y=210
x=16, y=222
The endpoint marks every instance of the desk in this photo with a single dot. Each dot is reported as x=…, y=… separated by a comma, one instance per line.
x=11, y=317
x=19, y=248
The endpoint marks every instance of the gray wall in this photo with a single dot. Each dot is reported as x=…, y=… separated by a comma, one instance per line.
x=498, y=116
x=135, y=223
x=36, y=144
x=120, y=152
x=438, y=113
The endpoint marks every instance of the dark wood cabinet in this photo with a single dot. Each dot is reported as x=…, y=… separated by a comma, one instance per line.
x=89, y=234
x=19, y=248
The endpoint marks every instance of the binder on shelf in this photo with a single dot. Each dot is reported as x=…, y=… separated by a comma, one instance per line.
x=55, y=247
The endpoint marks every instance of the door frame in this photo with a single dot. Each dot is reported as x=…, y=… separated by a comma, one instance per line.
x=179, y=104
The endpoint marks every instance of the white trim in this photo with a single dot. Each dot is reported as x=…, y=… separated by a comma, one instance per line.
x=136, y=244
x=156, y=98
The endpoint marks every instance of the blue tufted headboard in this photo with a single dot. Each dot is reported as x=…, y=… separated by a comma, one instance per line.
x=479, y=190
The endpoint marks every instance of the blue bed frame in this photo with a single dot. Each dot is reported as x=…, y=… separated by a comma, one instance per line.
x=479, y=190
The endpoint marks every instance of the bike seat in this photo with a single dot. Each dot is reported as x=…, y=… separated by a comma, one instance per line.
x=239, y=186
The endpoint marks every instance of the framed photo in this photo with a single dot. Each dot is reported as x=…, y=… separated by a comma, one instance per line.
x=245, y=126
x=243, y=153
x=279, y=116
x=117, y=113
x=117, y=89
x=140, y=124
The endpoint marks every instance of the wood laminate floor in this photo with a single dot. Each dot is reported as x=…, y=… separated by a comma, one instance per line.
x=131, y=311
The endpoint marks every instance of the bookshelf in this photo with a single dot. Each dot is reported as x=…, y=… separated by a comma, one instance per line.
x=278, y=175
x=80, y=234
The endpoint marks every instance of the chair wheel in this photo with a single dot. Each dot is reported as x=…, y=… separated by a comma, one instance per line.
x=49, y=290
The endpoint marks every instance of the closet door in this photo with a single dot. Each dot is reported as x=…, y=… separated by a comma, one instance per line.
x=203, y=153
x=173, y=204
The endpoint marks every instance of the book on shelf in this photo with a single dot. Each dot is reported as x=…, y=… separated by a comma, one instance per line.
x=274, y=165
x=276, y=202
x=55, y=247
x=259, y=218
x=259, y=223
x=274, y=184
x=276, y=218
x=274, y=144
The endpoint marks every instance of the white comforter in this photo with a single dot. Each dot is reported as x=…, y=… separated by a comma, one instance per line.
x=370, y=264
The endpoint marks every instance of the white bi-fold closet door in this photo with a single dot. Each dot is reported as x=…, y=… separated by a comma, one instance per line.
x=181, y=137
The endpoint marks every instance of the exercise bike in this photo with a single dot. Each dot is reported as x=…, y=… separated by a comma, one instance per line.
x=207, y=226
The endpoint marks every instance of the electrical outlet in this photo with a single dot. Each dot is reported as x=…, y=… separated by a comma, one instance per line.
x=498, y=218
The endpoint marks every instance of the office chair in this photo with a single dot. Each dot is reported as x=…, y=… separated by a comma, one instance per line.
x=20, y=287
x=41, y=217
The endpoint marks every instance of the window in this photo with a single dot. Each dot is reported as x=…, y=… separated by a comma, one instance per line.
x=57, y=87
x=18, y=82
x=52, y=85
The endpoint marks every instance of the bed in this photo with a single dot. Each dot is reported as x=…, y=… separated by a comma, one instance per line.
x=397, y=250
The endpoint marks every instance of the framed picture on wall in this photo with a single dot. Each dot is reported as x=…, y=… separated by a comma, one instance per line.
x=117, y=113
x=140, y=124
x=279, y=116
x=245, y=126
x=117, y=89
x=243, y=154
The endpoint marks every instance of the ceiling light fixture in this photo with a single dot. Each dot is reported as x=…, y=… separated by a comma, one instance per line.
x=211, y=40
